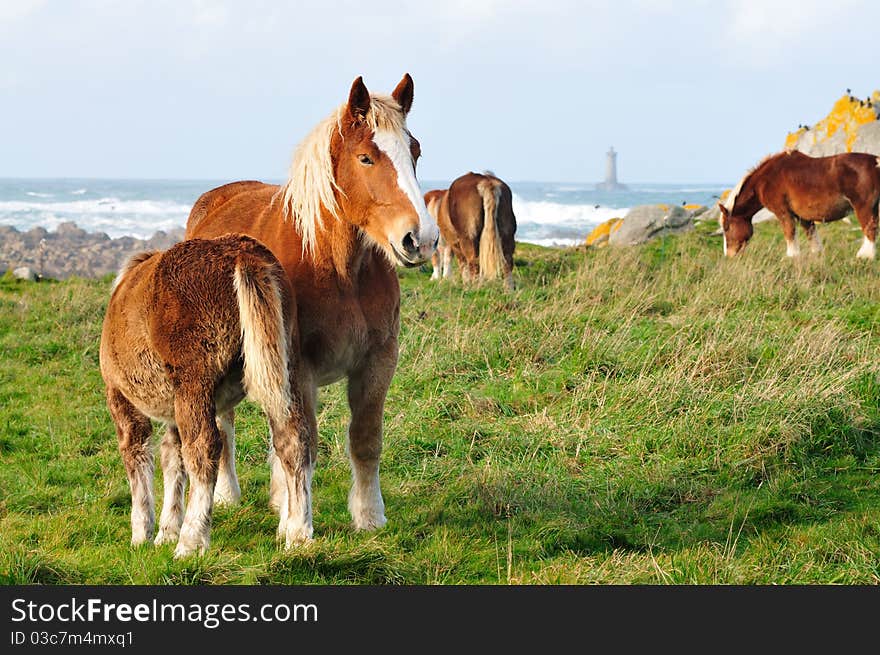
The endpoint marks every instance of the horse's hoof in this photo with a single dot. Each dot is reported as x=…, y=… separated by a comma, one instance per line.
x=141, y=539
x=183, y=551
x=295, y=536
x=370, y=523
x=166, y=537
x=226, y=500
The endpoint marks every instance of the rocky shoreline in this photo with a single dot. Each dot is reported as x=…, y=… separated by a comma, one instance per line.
x=71, y=251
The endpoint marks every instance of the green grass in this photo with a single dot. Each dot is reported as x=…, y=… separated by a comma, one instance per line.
x=647, y=415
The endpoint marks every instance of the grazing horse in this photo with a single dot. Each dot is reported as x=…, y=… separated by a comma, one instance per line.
x=186, y=334
x=349, y=212
x=811, y=190
x=477, y=223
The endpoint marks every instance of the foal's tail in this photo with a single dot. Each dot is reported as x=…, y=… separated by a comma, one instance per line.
x=264, y=335
x=491, y=253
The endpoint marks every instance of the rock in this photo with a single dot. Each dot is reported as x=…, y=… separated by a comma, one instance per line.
x=35, y=234
x=599, y=236
x=868, y=139
x=69, y=230
x=816, y=144
x=25, y=273
x=647, y=222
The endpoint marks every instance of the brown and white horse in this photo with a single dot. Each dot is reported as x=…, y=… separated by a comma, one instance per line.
x=186, y=333
x=809, y=190
x=349, y=212
x=477, y=224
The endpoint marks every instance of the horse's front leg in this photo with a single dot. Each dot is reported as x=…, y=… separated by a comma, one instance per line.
x=227, y=492
x=868, y=220
x=367, y=388
x=174, y=483
x=791, y=245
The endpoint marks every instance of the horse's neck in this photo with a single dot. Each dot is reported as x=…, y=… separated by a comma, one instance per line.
x=340, y=250
x=748, y=201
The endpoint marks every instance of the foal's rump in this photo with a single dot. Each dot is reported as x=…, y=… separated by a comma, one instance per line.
x=206, y=313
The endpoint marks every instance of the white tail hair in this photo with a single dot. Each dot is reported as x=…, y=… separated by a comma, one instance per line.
x=491, y=253
x=264, y=338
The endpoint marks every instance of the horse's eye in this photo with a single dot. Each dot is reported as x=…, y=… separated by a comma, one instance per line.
x=366, y=161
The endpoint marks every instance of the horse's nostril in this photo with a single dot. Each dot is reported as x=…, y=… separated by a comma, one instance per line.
x=410, y=243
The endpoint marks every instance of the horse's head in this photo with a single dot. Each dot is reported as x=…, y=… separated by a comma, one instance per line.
x=737, y=230
x=374, y=166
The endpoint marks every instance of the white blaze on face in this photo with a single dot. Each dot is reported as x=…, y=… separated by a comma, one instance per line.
x=396, y=147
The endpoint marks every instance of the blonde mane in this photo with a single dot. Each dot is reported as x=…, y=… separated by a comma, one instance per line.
x=730, y=201
x=311, y=186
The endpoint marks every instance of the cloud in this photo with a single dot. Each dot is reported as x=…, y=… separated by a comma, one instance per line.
x=760, y=30
x=12, y=12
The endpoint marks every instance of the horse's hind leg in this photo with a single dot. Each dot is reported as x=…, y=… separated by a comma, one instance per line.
x=174, y=482
x=200, y=446
x=809, y=228
x=227, y=492
x=295, y=448
x=867, y=215
x=133, y=432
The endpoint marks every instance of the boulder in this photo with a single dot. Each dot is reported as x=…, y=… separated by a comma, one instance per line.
x=868, y=139
x=647, y=222
x=816, y=144
x=70, y=230
x=25, y=273
x=599, y=236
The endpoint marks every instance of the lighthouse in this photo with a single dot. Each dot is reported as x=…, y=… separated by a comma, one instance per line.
x=611, y=183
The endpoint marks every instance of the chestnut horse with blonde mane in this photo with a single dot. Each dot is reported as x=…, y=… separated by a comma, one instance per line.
x=349, y=212
x=477, y=225
x=186, y=334
x=809, y=190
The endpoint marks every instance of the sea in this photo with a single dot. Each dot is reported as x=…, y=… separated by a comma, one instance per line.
x=547, y=213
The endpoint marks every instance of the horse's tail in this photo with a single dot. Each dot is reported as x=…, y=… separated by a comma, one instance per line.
x=264, y=335
x=491, y=253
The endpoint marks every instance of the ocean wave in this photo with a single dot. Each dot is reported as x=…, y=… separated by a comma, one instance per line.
x=99, y=206
x=78, y=192
x=552, y=242
x=542, y=212
x=38, y=194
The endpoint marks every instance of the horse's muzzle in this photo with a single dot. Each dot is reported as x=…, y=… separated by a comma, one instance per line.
x=411, y=252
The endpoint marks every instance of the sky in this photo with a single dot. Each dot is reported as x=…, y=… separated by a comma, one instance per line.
x=686, y=91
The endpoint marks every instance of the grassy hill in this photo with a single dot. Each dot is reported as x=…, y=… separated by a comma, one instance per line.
x=647, y=415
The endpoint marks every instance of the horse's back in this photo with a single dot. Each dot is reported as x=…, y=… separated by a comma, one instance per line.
x=229, y=199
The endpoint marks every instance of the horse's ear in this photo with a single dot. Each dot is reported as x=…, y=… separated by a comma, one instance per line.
x=358, y=100
x=404, y=93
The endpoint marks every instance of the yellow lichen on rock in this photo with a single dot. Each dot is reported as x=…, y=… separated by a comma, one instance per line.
x=793, y=137
x=847, y=114
x=599, y=236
